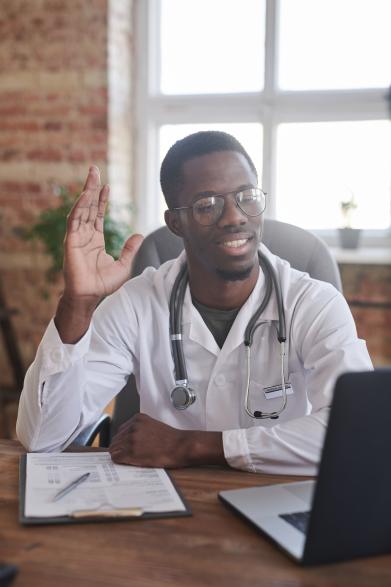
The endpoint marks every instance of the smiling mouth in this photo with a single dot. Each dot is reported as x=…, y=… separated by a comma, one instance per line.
x=234, y=244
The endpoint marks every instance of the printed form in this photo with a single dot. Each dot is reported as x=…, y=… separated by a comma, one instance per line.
x=109, y=487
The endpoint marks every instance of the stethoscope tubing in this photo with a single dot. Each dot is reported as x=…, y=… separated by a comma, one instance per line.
x=182, y=388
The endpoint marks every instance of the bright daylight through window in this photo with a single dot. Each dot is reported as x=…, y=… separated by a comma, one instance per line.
x=301, y=83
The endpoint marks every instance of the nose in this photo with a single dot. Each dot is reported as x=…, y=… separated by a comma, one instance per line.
x=232, y=214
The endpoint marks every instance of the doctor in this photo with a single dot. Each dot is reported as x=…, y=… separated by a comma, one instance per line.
x=214, y=204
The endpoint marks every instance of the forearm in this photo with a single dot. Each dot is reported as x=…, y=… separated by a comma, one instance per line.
x=204, y=448
x=50, y=407
x=289, y=448
x=50, y=425
x=146, y=442
x=73, y=317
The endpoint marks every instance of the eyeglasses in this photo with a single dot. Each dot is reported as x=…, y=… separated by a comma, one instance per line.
x=207, y=210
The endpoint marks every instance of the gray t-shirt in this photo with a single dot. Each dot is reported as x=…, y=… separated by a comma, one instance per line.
x=219, y=322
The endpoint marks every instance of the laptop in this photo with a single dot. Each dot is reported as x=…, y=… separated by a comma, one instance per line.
x=346, y=512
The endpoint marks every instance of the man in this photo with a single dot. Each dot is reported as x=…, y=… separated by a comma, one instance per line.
x=88, y=351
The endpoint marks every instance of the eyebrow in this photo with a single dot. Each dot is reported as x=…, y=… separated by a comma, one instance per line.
x=213, y=193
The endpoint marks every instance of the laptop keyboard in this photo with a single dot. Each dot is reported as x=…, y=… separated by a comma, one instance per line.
x=299, y=520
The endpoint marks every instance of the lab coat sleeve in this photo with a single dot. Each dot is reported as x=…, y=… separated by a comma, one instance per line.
x=324, y=336
x=68, y=386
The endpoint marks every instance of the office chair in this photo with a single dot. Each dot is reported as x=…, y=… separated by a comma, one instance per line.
x=9, y=393
x=302, y=249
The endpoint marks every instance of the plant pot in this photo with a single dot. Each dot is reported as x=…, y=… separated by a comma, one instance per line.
x=349, y=238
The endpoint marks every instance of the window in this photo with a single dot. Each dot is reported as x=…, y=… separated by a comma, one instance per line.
x=221, y=46
x=301, y=83
x=320, y=164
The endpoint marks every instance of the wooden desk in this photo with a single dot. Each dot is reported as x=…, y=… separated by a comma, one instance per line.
x=213, y=547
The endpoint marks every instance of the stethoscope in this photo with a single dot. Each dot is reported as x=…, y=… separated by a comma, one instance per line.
x=183, y=396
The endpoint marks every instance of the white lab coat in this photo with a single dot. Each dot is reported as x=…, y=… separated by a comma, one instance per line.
x=68, y=386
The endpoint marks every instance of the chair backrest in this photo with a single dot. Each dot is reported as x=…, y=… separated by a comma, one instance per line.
x=304, y=251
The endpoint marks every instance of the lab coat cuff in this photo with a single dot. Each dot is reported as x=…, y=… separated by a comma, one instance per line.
x=57, y=356
x=236, y=450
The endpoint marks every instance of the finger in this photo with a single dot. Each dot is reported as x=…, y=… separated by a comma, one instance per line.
x=119, y=455
x=122, y=459
x=87, y=204
x=79, y=213
x=129, y=250
x=73, y=224
x=80, y=210
x=101, y=208
x=93, y=179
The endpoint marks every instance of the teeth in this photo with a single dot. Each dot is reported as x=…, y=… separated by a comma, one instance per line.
x=234, y=244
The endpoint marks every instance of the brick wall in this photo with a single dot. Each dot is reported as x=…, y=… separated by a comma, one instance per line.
x=367, y=289
x=54, y=122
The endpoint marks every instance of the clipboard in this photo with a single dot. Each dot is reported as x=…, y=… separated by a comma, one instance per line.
x=100, y=517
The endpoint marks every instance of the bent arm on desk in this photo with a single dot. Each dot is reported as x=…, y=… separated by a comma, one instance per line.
x=327, y=344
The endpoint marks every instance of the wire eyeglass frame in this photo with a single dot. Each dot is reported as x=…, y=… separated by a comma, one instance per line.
x=220, y=197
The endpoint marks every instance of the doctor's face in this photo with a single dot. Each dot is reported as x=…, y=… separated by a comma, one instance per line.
x=228, y=247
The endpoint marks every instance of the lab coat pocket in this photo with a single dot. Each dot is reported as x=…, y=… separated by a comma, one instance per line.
x=259, y=392
x=267, y=398
x=301, y=405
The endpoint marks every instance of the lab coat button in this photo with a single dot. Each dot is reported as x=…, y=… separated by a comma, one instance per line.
x=220, y=379
x=56, y=356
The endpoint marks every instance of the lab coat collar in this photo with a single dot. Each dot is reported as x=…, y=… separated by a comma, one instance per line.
x=200, y=333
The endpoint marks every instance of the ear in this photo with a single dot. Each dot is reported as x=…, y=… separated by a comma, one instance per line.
x=173, y=222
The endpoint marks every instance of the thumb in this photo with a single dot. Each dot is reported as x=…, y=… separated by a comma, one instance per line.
x=130, y=249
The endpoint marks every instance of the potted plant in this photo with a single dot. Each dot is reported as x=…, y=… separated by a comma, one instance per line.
x=349, y=237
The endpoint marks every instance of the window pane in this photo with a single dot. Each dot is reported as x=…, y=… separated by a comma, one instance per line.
x=249, y=135
x=321, y=164
x=334, y=44
x=212, y=46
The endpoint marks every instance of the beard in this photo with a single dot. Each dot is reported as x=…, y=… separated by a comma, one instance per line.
x=238, y=275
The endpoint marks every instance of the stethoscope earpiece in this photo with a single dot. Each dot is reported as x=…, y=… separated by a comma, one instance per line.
x=259, y=415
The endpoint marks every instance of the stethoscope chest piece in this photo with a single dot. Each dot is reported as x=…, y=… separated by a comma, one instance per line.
x=182, y=397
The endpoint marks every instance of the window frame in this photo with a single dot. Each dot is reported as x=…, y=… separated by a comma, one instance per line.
x=270, y=107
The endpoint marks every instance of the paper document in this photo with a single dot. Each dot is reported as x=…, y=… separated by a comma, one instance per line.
x=109, y=487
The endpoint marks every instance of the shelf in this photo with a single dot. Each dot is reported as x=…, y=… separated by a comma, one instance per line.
x=363, y=256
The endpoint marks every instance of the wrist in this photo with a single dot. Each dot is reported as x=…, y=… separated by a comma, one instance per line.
x=204, y=448
x=73, y=317
x=81, y=305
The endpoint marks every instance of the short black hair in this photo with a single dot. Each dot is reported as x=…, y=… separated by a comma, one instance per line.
x=194, y=145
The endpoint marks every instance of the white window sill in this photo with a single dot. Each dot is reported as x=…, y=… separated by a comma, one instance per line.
x=363, y=255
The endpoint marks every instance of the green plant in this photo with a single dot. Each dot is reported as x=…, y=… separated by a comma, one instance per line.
x=51, y=226
x=347, y=210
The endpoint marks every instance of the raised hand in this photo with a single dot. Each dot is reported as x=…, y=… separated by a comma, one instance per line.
x=89, y=272
x=88, y=269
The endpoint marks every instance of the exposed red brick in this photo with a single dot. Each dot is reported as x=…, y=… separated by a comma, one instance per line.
x=45, y=154
x=46, y=125
x=53, y=119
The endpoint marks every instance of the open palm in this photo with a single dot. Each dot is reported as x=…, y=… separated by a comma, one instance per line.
x=89, y=271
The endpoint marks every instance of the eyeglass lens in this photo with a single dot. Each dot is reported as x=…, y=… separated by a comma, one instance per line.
x=208, y=210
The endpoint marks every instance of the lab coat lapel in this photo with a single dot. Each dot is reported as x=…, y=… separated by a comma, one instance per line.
x=198, y=330
x=193, y=325
x=236, y=335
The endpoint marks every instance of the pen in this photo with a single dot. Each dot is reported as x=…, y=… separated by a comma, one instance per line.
x=71, y=486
